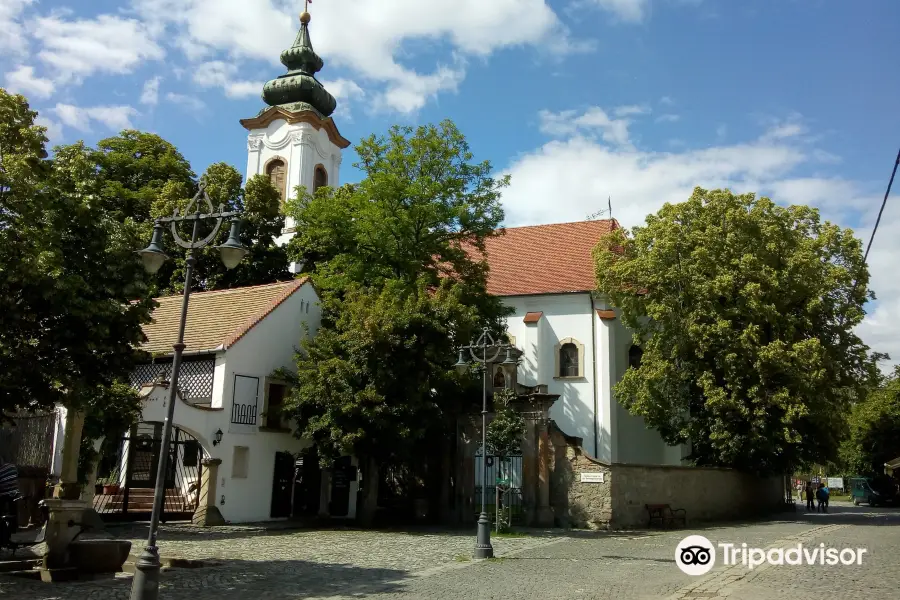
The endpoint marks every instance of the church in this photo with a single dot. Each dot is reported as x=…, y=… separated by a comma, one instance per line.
x=236, y=460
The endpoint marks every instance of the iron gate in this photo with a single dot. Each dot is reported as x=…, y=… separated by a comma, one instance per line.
x=127, y=474
x=504, y=472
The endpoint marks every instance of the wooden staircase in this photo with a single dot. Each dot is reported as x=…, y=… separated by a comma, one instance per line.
x=140, y=500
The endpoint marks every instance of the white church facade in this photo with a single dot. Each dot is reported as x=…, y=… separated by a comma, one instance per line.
x=572, y=343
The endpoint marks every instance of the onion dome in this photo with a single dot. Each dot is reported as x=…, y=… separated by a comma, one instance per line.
x=298, y=89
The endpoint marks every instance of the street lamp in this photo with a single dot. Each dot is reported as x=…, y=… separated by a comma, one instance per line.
x=146, y=575
x=483, y=548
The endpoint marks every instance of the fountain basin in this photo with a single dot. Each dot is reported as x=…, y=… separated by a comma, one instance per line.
x=98, y=556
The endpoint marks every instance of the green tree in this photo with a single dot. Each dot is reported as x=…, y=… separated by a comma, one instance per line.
x=874, y=429
x=398, y=289
x=72, y=292
x=745, y=311
x=262, y=223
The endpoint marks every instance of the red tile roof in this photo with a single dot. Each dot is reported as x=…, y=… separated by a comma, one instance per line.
x=215, y=319
x=545, y=259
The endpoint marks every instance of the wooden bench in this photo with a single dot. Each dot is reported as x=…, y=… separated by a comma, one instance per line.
x=665, y=516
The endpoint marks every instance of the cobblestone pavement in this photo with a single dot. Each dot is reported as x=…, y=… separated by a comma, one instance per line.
x=290, y=564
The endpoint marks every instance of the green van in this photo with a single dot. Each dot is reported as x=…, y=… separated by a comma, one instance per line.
x=871, y=491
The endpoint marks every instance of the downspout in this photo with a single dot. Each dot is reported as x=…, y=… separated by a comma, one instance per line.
x=596, y=383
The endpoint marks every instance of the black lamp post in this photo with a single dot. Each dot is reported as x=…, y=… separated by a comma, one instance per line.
x=146, y=575
x=479, y=355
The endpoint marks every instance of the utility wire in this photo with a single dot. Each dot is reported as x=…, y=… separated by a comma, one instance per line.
x=883, y=204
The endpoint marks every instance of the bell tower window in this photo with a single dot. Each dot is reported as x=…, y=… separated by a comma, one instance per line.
x=320, y=178
x=276, y=171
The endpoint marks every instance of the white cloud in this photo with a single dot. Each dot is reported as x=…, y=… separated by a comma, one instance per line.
x=189, y=102
x=12, y=38
x=23, y=81
x=82, y=47
x=567, y=178
x=115, y=118
x=345, y=91
x=668, y=118
x=667, y=100
x=721, y=131
x=631, y=11
x=593, y=120
x=631, y=109
x=54, y=130
x=363, y=36
x=150, y=93
x=224, y=75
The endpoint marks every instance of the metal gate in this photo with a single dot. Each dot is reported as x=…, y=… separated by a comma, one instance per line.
x=504, y=484
x=127, y=470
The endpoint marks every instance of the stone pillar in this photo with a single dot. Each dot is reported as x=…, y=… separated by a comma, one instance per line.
x=68, y=488
x=207, y=513
x=544, y=513
x=59, y=535
x=530, y=469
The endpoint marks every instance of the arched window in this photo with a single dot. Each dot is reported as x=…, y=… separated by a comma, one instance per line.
x=276, y=170
x=634, y=356
x=320, y=179
x=568, y=360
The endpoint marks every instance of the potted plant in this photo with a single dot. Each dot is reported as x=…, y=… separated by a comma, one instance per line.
x=111, y=486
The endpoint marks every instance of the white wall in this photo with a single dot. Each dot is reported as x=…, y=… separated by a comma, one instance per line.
x=619, y=436
x=565, y=315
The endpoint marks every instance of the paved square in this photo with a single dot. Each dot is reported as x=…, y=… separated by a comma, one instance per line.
x=291, y=564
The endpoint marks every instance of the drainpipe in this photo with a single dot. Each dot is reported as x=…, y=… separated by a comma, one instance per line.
x=596, y=383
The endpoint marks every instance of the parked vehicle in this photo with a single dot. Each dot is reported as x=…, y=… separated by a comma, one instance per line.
x=877, y=491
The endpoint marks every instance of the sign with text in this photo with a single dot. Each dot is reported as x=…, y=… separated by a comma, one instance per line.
x=592, y=477
x=835, y=482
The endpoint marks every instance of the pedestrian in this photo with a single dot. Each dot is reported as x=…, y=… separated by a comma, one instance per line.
x=820, y=497
x=827, y=494
x=810, y=504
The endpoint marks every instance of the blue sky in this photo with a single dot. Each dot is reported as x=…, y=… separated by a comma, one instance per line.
x=578, y=100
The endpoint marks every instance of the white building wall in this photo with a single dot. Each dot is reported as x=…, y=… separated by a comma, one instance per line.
x=270, y=345
x=618, y=436
x=564, y=316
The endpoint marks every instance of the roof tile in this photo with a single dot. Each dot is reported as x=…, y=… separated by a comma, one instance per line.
x=544, y=259
x=215, y=319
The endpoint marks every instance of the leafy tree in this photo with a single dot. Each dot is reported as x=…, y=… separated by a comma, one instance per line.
x=72, y=292
x=398, y=289
x=874, y=426
x=262, y=223
x=134, y=166
x=507, y=430
x=745, y=311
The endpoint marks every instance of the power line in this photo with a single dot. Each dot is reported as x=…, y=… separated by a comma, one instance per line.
x=883, y=204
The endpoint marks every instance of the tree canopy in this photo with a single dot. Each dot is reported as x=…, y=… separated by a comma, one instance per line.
x=874, y=429
x=398, y=291
x=72, y=292
x=745, y=311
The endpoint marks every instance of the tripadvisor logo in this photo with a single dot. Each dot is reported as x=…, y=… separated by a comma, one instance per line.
x=696, y=555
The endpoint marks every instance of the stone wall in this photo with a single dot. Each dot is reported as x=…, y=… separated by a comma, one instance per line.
x=582, y=505
x=706, y=494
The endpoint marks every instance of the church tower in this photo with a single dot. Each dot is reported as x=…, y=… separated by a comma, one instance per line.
x=294, y=140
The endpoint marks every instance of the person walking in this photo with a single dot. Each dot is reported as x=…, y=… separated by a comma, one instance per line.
x=810, y=500
x=820, y=497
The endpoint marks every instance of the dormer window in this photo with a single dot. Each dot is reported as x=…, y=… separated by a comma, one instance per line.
x=276, y=171
x=568, y=360
x=320, y=178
